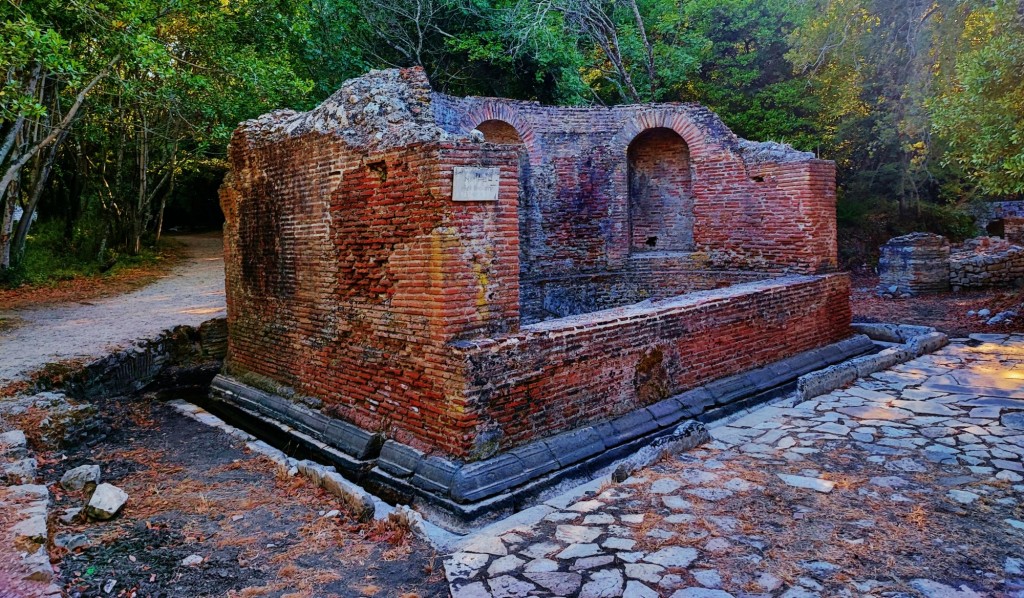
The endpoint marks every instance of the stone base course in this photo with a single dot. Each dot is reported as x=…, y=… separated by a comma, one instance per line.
x=457, y=495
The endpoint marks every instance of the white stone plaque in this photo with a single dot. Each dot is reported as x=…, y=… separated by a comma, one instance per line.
x=474, y=183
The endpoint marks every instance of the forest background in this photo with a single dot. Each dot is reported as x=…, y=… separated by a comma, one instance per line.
x=115, y=116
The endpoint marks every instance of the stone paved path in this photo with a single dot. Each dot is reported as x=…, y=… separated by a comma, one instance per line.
x=908, y=483
x=191, y=294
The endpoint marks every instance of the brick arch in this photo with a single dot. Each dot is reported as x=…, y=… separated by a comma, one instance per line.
x=660, y=192
x=679, y=122
x=700, y=148
x=509, y=115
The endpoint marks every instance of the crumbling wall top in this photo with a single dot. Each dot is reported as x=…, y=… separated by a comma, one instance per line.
x=381, y=109
x=758, y=152
x=390, y=108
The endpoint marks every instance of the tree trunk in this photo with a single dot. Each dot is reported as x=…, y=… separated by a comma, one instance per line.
x=41, y=180
x=75, y=189
x=16, y=165
x=138, y=213
x=7, y=226
x=19, y=122
x=163, y=204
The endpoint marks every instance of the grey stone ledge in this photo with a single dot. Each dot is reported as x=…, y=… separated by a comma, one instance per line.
x=459, y=493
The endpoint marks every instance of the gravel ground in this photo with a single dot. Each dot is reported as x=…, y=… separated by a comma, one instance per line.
x=945, y=311
x=191, y=294
x=197, y=492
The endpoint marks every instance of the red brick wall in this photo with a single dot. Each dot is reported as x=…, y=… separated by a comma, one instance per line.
x=565, y=373
x=1013, y=230
x=354, y=278
x=647, y=275
x=348, y=275
x=574, y=216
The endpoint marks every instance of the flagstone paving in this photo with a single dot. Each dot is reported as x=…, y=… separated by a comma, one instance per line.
x=907, y=483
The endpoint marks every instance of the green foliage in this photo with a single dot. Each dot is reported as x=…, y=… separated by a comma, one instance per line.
x=50, y=258
x=920, y=104
x=980, y=114
x=26, y=43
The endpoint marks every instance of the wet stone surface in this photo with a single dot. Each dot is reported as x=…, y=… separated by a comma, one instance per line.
x=907, y=483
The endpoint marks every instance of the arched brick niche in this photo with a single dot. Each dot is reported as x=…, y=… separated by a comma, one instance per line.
x=499, y=131
x=498, y=122
x=644, y=139
x=660, y=192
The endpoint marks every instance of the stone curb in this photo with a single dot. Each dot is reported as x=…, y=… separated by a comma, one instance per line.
x=130, y=369
x=463, y=495
x=28, y=535
x=915, y=341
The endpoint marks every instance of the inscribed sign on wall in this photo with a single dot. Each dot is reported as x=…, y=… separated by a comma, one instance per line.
x=473, y=183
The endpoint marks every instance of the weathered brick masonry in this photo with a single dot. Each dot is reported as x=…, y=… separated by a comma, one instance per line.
x=629, y=253
x=627, y=358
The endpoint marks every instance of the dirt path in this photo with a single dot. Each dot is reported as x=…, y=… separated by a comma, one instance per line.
x=947, y=311
x=192, y=293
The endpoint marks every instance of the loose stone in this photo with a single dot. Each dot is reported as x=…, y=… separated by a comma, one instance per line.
x=816, y=484
x=81, y=478
x=107, y=500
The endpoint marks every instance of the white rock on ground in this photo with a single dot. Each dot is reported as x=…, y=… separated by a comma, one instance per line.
x=106, y=501
x=22, y=471
x=12, y=441
x=799, y=481
x=79, y=478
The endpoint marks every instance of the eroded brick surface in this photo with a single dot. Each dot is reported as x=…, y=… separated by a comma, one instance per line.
x=353, y=276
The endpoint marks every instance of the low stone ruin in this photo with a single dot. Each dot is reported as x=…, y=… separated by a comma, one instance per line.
x=986, y=262
x=913, y=264
x=926, y=263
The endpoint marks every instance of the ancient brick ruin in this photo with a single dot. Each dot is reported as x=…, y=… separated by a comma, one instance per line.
x=468, y=298
x=1003, y=219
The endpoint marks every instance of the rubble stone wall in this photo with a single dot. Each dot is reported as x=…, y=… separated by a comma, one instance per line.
x=986, y=262
x=986, y=212
x=914, y=263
